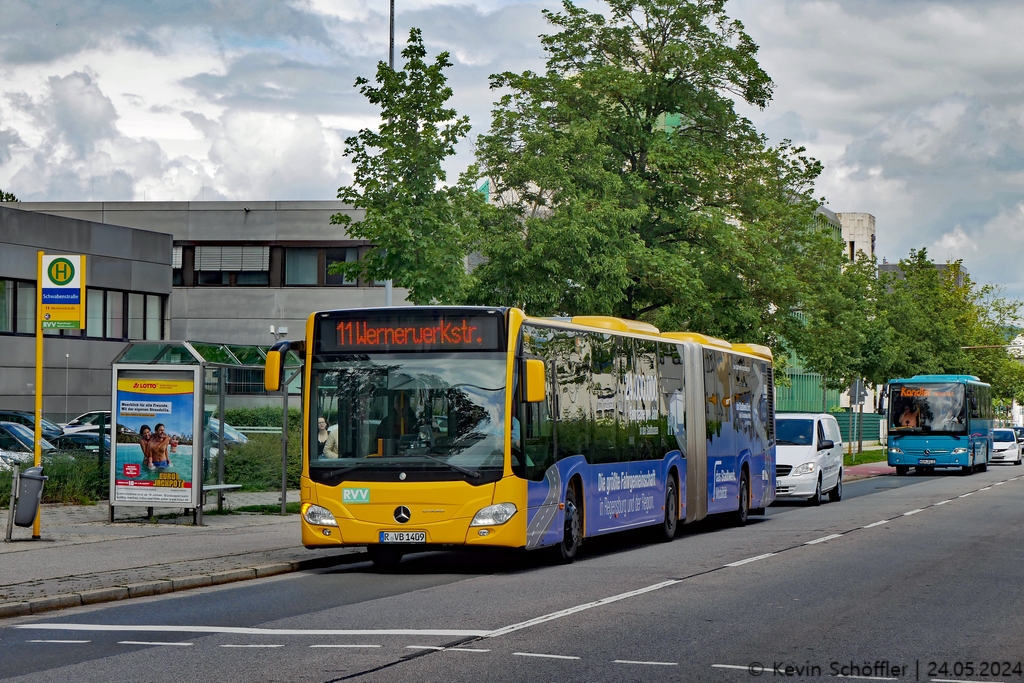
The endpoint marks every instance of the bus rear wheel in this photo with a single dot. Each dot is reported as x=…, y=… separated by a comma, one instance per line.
x=572, y=533
x=744, y=510
x=671, y=522
x=383, y=557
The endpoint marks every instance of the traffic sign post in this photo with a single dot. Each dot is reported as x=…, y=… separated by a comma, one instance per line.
x=60, y=305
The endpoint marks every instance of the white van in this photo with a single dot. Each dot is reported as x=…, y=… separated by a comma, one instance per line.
x=808, y=457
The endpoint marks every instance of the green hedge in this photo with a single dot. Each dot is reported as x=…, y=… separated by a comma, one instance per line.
x=72, y=481
x=262, y=416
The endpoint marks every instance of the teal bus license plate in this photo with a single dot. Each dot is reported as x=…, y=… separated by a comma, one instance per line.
x=926, y=461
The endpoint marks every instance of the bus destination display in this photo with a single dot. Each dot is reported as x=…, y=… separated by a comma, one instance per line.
x=404, y=334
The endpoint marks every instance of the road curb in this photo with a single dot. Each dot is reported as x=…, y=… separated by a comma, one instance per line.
x=142, y=589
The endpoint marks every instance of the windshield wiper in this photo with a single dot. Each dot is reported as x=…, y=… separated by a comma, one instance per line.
x=338, y=471
x=787, y=442
x=463, y=470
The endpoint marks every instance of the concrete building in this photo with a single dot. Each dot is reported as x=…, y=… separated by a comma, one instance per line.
x=240, y=267
x=128, y=278
x=205, y=271
x=858, y=233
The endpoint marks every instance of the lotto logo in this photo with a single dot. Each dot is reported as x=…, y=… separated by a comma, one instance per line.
x=132, y=470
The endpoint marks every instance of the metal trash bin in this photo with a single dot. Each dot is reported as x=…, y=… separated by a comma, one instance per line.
x=30, y=494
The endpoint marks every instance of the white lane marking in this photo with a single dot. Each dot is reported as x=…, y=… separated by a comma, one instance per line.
x=943, y=502
x=466, y=649
x=986, y=488
x=252, y=645
x=912, y=512
x=345, y=646
x=999, y=483
x=730, y=666
x=749, y=559
x=630, y=661
x=423, y=647
x=146, y=642
x=537, y=654
x=823, y=539
x=579, y=608
x=884, y=521
x=58, y=641
x=966, y=494
x=954, y=680
x=238, y=630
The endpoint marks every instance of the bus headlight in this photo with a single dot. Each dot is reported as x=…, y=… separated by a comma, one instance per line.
x=314, y=514
x=494, y=515
x=895, y=450
x=806, y=468
x=959, y=451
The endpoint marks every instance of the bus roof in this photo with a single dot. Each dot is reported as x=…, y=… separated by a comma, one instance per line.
x=937, y=378
x=607, y=322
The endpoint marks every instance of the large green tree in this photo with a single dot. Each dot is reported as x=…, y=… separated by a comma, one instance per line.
x=7, y=197
x=933, y=313
x=629, y=185
x=421, y=228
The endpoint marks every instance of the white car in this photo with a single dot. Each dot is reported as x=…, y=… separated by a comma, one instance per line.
x=87, y=421
x=1005, y=447
x=808, y=457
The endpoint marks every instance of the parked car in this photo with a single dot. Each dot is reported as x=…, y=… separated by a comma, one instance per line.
x=82, y=441
x=24, y=417
x=1005, y=447
x=17, y=444
x=232, y=437
x=808, y=457
x=1019, y=431
x=87, y=421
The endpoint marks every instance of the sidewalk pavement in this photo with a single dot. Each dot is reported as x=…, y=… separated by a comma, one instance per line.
x=871, y=469
x=83, y=559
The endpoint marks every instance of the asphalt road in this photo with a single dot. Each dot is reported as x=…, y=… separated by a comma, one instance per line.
x=925, y=573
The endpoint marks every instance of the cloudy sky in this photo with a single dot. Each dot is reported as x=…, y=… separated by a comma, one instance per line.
x=915, y=107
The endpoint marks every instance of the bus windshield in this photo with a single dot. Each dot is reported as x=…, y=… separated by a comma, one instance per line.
x=434, y=414
x=920, y=408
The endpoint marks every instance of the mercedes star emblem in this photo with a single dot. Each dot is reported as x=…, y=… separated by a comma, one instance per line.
x=402, y=514
x=927, y=452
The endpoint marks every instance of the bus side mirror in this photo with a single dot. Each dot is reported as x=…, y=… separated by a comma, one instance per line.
x=274, y=368
x=534, y=381
x=272, y=371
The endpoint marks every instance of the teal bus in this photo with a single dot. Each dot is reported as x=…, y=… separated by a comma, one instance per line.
x=939, y=421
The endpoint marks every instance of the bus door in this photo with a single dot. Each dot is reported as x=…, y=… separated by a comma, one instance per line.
x=696, y=428
x=723, y=475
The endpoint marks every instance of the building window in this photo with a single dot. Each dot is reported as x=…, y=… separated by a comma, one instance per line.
x=343, y=255
x=244, y=266
x=154, y=316
x=300, y=266
x=115, y=315
x=7, y=288
x=176, y=266
x=26, y=308
x=94, y=313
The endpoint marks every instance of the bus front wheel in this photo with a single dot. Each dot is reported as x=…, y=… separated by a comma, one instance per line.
x=967, y=470
x=902, y=470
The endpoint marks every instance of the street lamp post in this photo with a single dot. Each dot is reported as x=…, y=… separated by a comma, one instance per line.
x=388, y=286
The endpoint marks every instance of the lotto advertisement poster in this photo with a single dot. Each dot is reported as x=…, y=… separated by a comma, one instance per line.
x=153, y=462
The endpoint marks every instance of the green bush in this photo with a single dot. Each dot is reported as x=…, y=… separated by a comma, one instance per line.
x=72, y=481
x=256, y=465
x=262, y=416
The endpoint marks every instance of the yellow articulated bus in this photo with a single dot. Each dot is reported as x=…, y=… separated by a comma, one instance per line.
x=436, y=426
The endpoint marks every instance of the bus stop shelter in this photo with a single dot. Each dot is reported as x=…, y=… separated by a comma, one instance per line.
x=168, y=406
